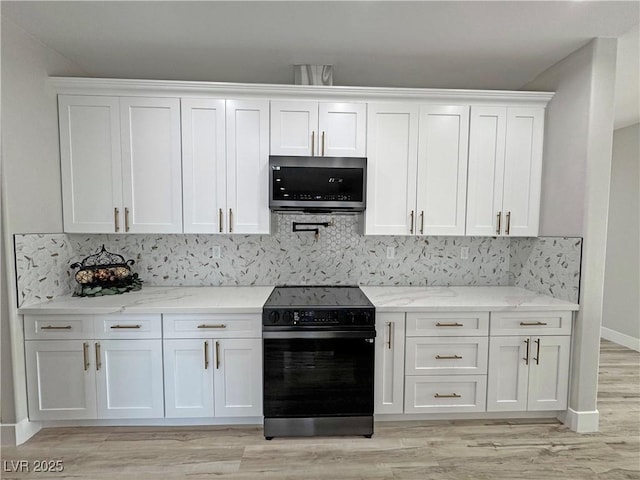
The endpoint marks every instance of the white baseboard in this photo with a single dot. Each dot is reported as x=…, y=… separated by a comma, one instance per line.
x=17, y=433
x=581, y=422
x=620, y=338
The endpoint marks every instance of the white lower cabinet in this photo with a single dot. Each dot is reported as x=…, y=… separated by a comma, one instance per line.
x=84, y=367
x=129, y=378
x=528, y=373
x=389, y=364
x=61, y=380
x=455, y=393
x=205, y=378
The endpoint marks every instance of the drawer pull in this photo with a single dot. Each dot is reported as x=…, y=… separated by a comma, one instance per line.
x=204, y=325
x=455, y=324
x=51, y=327
x=85, y=354
x=126, y=326
x=533, y=324
x=452, y=395
x=448, y=357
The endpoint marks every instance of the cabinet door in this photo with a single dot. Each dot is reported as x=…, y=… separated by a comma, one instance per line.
x=60, y=380
x=486, y=171
x=294, y=128
x=442, y=169
x=392, y=148
x=152, y=184
x=188, y=378
x=238, y=377
x=549, y=373
x=204, y=175
x=90, y=163
x=129, y=378
x=248, y=166
x=389, y=363
x=342, y=129
x=523, y=171
x=508, y=374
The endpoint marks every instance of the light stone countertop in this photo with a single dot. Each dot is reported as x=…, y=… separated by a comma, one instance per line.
x=160, y=300
x=442, y=299
x=250, y=299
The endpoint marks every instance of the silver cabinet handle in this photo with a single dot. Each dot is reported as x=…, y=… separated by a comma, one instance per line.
x=390, y=327
x=532, y=324
x=499, y=215
x=537, y=357
x=125, y=326
x=98, y=362
x=451, y=395
x=52, y=327
x=322, y=154
x=220, y=221
x=448, y=357
x=454, y=324
x=508, y=227
x=313, y=143
x=116, y=219
x=230, y=221
x=422, y=222
x=220, y=325
x=411, y=227
x=85, y=354
x=526, y=359
x=126, y=219
x=217, y=355
x=206, y=355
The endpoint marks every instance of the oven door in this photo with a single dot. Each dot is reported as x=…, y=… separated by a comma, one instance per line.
x=318, y=374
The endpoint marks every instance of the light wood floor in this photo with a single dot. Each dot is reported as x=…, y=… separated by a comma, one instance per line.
x=463, y=450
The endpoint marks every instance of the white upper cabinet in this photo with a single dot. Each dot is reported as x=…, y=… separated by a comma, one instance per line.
x=417, y=169
x=248, y=166
x=442, y=170
x=120, y=161
x=392, y=146
x=225, y=161
x=151, y=164
x=300, y=128
x=91, y=163
x=505, y=167
x=204, y=176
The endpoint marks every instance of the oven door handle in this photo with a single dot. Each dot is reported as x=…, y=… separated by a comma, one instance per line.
x=316, y=334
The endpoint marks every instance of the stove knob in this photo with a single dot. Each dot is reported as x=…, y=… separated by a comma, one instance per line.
x=274, y=317
x=288, y=318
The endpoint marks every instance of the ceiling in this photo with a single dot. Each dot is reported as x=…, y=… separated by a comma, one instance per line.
x=438, y=44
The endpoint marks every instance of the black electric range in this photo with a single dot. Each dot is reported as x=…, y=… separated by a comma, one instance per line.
x=318, y=361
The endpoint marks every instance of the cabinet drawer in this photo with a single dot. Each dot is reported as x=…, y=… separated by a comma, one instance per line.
x=531, y=323
x=128, y=326
x=212, y=326
x=446, y=355
x=454, y=324
x=434, y=394
x=58, y=327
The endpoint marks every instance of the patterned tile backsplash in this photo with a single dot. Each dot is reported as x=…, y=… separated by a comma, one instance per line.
x=338, y=255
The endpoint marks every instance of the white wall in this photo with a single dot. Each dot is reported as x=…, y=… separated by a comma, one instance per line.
x=621, y=318
x=31, y=190
x=575, y=189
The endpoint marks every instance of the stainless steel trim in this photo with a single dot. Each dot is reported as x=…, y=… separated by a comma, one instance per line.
x=369, y=334
x=318, y=426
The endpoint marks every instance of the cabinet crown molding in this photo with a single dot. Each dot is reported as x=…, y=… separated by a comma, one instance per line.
x=124, y=87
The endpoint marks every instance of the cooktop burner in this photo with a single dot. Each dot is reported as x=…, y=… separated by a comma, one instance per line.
x=343, y=296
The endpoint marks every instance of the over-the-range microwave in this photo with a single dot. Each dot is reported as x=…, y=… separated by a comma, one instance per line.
x=317, y=184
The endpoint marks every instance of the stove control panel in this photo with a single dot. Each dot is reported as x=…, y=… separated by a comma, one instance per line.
x=318, y=317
